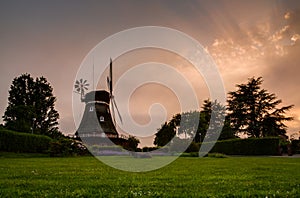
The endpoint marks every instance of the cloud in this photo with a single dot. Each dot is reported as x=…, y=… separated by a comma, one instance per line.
x=295, y=38
x=269, y=49
x=287, y=15
x=258, y=41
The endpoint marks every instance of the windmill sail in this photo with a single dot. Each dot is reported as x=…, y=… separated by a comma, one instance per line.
x=110, y=87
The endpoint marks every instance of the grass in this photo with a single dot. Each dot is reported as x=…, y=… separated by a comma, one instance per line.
x=185, y=177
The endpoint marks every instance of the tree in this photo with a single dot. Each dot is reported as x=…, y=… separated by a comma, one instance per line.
x=165, y=134
x=196, y=124
x=31, y=106
x=213, y=116
x=132, y=143
x=253, y=110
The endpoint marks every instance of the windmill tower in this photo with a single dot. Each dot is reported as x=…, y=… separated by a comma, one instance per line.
x=98, y=123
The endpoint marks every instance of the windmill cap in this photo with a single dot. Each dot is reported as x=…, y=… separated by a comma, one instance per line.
x=99, y=95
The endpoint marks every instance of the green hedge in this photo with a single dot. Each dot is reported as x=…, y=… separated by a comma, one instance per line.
x=11, y=141
x=295, y=146
x=250, y=146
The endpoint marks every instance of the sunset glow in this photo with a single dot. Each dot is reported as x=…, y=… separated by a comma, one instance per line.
x=245, y=39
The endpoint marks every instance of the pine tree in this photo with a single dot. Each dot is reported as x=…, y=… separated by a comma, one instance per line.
x=253, y=110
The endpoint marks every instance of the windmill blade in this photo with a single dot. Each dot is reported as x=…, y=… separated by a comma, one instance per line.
x=110, y=78
x=77, y=82
x=115, y=104
x=113, y=113
x=107, y=81
x=80, y=80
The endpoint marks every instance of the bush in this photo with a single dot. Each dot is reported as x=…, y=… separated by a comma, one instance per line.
x=67, y=147
x=296, y=146
x=216, y=155
x=250, y=146
x=11, y=141
x=148, y=149
x=191, y=154
x=193, y=147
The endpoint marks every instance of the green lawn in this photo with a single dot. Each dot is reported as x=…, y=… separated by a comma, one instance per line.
x=186, y=177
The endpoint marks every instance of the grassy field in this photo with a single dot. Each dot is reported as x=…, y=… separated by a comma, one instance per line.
x=24, y=176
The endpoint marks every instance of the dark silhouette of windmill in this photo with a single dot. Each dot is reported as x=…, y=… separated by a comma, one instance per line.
x=98, y=122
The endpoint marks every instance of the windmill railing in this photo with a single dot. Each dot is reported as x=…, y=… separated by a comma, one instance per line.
x=123, y=136
x=102, y=135
x=98, y=102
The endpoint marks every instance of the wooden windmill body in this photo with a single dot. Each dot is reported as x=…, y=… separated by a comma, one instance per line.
x=97, y=126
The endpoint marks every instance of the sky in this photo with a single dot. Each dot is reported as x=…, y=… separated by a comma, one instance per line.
x=245, y=39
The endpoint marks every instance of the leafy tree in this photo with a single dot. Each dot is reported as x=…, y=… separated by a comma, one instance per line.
x=132, y=143
x=31, y=106
x=195, y=124
x=227, y=131
x=253, y=110
x=165, y=134
x=213, y=115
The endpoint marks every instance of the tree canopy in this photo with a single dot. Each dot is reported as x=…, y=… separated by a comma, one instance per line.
x=165, y=134
x=196, y=124
x=31, y=106
x=254, y=111
x=251, y=110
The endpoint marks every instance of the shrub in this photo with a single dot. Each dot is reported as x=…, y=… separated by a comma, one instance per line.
x=296, y=146
x=148, y=149
x=11, y=141
x=191, y=154
x=67, y=147
x=250, y=146
x=194, y=154
x=216, y=155
x=193, y=147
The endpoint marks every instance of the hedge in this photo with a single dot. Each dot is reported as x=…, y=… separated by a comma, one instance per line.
x=296, y=146
x=250, y=146
x=11, y=141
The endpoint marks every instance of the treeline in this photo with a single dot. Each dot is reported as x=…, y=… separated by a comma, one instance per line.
x=250, y=111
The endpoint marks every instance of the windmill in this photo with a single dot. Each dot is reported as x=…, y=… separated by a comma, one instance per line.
x=98, y=120
x=81, y=86
x=112, y=99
